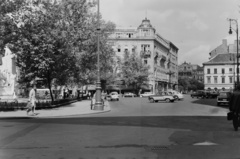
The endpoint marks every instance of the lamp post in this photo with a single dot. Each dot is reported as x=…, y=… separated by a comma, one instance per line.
x=230, y=32
x=98, y=98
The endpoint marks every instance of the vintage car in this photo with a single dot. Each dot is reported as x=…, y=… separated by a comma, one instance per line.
x=113, y=96
x=223, y=98
x=129, y=94
x=146, y=94
x=199, y=94
x=161, y=96
x=177, y=95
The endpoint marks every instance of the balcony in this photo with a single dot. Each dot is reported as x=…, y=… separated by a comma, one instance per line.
x=145, y=54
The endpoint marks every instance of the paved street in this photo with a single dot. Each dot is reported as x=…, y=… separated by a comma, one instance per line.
x=134, y=128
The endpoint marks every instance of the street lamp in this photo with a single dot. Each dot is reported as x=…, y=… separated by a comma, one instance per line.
x=98, y=99
x=230, y=32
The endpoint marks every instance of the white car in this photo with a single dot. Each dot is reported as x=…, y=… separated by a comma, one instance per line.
x=177, y=95
x=129, y=94
x=114, y=96
x=146, y=94
x=161, y=96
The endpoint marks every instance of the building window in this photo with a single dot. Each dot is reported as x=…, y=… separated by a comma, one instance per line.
x=162, y=63
x=208, y=71
x=215, y=80
x=230, y=70
x=230, y=79
x=119, y=50
x=223, y=79
x=215, y=71
x=145, y=47
x=223, y=70
x=208, y=79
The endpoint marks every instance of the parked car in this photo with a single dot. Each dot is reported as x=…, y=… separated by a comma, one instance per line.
x=211, y=94
x=113, y=96
x=161, y=96
x=223, y=97
x=146, y=94
x=129, y=94
x=199, y=93
x=177, y=95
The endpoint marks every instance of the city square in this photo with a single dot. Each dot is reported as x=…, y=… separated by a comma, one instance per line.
x=133, y=128
x=104, y=79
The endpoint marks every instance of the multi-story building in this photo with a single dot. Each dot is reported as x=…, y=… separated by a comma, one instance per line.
x=191, y=71
x=220, y=70
x=157, y=52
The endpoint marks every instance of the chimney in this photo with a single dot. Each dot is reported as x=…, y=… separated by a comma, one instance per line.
x=224, y=42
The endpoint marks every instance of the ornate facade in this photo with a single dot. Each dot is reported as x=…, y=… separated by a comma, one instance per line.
x=157, y=52
x=191, y=71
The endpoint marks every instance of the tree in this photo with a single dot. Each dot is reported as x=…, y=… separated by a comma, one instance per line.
x=57, y=41
x=87, y=58
x=190, y=84
x=133, y=71
x=7, y=25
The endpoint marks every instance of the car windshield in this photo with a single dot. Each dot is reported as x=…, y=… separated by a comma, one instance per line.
x=223, y=94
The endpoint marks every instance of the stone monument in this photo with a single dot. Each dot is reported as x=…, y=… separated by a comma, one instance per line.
x=8, y=74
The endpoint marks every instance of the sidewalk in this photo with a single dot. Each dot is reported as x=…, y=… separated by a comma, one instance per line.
x=73, y=109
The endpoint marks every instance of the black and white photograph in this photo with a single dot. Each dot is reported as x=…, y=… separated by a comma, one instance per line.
x=119, y=79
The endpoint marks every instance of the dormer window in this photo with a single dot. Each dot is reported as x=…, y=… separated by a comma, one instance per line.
x=145, y=32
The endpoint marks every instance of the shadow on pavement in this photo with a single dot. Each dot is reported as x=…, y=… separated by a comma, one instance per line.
x=199, y=123
x=209, y=102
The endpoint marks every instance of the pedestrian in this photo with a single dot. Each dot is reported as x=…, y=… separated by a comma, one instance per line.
x=89, y=95
x=32, y=100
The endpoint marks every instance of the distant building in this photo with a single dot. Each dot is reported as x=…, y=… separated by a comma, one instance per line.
x=157, y=52
x=220, y=70
x=191, y=71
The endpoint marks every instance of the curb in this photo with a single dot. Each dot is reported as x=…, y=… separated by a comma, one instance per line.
x=86, y=112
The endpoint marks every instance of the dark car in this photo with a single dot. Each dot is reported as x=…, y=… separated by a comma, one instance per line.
x=199, y=94
x=211, y=94
x=223, y=98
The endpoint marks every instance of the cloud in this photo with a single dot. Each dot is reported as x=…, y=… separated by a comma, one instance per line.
x=161, y=16
x=192, y=20
x=197, y=55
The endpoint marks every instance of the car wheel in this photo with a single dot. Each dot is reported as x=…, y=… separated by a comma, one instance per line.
x=167, y=100
x=152, y=100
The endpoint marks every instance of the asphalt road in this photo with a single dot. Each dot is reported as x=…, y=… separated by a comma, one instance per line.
x=187, y=107
x=134, y=129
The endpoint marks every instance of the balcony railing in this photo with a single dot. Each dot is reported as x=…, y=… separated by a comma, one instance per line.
x=145, y=54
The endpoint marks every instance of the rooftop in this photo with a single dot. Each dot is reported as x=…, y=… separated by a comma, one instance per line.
x=222, y=58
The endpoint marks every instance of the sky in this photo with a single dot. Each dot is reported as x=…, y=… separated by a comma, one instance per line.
x=195, y=26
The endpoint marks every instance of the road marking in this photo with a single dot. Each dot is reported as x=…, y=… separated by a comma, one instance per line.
x=205, y=143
